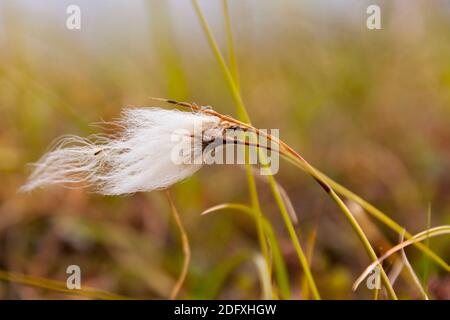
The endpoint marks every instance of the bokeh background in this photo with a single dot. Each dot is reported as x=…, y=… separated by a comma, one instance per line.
x=371, y=108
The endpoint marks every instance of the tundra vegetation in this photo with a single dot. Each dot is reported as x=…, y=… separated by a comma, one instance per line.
x=363, y=112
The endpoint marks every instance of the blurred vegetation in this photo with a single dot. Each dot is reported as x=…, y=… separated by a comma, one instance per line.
x=369, y=108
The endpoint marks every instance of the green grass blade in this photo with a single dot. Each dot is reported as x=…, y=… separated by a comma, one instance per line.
x=243, y=114
x=280, y=267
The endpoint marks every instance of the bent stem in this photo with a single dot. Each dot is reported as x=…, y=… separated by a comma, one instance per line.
x=351, y=219
x=243, y=114
x=367, y=246
x=301, y=163
x=382, y=217
x=292, y=156
x=186, y=248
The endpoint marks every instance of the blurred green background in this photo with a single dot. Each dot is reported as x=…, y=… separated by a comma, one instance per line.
x=371, y=108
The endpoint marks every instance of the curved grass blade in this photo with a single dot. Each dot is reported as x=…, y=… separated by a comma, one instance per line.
x=279, y=265
x=186, y=248
x=58, y=286
x=412, y=272
x=429, y=233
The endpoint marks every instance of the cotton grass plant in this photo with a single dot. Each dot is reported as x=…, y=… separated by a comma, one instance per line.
x=138, y=159
x=154, y=149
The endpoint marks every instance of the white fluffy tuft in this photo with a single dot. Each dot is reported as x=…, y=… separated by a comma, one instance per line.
x=137, y=159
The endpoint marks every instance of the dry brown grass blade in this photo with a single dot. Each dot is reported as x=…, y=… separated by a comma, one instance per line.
x=411, y=270
x=284, y=195
x=58, y=286
x=288, y=204
x=310, y=245
x=186, y=248
x=395, y=271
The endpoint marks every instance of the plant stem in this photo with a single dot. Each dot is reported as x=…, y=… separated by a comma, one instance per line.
x=242, y=111
x=243, y=115
x=58, y=286
x=230, y=44
x=375, y=212
x=358, y=230
x=248, y=170
x=356, y=227
x=258, y=215
x=186, y=248
x=295, y=241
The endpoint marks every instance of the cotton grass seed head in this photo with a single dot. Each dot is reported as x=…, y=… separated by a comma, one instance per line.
x=139, y=158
